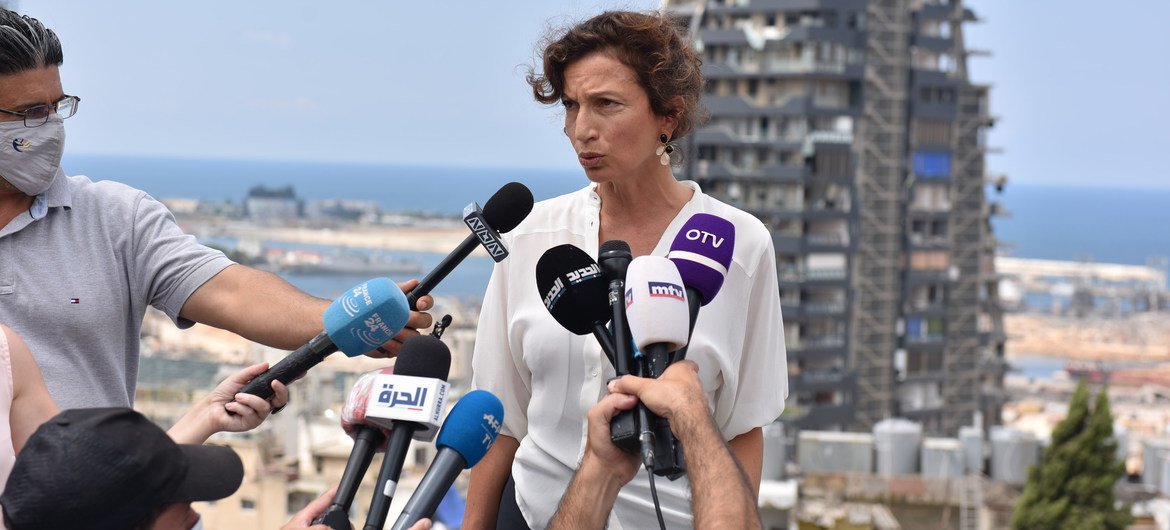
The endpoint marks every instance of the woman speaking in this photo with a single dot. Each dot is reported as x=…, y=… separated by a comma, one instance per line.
x=630, y=86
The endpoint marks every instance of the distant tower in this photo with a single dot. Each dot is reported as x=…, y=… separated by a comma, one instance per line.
x=851, y=130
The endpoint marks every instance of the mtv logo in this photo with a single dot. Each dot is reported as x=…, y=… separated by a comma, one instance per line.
x=668, y=290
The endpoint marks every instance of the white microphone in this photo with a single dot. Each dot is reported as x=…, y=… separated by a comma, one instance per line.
x=656, y=308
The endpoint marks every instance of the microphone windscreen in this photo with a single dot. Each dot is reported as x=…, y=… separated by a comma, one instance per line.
x=656, y=303
x=573, y=288
x=614, y=245
x=702, y=252
x=424, y=356
x=353, y=411
x=472, y=426
x=510, y=205
x=366, y=316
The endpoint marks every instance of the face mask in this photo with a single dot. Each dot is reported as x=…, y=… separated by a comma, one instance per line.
x=198, y=524
x=30, y=156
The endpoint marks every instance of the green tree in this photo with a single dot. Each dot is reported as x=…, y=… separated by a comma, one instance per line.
x=1072, y=487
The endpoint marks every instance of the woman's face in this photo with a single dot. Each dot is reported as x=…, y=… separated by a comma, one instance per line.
x=609, y=120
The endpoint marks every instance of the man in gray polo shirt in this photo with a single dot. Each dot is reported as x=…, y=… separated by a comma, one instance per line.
x=80, y=261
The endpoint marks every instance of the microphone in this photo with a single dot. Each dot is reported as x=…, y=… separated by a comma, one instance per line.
x=502, y=212
x=367, y=441
x=702, y=252
x=469, y=432
x=409, y=403
x=575, y=293
x=614, y=257
x=657, y=311
x=362, y=319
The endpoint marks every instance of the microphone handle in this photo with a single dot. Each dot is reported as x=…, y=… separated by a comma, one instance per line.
x=657, y=359
x=434, y=485
x=292, y=366
x=364, y=446
x=693, y=304
x=441, y=271
x=621, y=329
x=606, y=342
x=388, y=476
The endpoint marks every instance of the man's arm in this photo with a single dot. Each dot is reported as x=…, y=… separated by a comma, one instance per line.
x=486, y=486
x=262, y=307
x=720, y=491
x=31, y=403
x=604, y=469
x=748, y=449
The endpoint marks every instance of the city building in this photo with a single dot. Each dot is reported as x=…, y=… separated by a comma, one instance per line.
x=273, y=204
x=851, y=129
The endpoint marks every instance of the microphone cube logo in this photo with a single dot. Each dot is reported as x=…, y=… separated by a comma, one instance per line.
x=487, y=236
x=667, y=290
x=407, y=398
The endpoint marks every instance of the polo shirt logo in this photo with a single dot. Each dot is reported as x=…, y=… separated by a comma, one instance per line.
x=75, y=300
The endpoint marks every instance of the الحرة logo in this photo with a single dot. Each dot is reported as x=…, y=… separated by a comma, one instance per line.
x=21, y=145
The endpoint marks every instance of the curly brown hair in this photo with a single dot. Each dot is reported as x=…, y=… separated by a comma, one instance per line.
x=667, y=66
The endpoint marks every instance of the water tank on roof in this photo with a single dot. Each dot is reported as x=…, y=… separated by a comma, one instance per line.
x=972, y=440
x=775, y=453
x=1153, y=450
x=898, y=442
x=835, y=452
x=943, y=458
x=1012, y=453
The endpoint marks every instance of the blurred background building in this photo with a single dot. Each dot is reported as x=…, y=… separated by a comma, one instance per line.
x=852, y=130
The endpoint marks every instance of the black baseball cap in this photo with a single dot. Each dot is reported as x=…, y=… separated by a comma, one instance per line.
x=110, y=468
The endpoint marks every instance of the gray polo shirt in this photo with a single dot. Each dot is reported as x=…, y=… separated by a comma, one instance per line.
x=76, y=274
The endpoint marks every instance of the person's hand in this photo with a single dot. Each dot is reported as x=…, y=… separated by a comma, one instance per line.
x=422, y=524
x=678, y=391
x=211, y=414
x=304, y=519
x=599, y=448
x=418, y=320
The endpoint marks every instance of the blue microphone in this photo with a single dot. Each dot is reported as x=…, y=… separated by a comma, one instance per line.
x=362, y=319
x=467, y=434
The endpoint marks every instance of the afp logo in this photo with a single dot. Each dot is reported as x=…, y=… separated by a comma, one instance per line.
x=667, y=290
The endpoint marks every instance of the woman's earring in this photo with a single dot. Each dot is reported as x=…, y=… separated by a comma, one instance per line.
x=664, y=150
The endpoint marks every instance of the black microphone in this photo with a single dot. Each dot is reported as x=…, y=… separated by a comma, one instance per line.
x=614, y=257
x=404, y=407
x=470, y=430
x=574, y=291
x=510, y=205
x=367, y=439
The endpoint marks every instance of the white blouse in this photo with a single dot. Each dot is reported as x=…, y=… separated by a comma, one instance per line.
x=549, y=378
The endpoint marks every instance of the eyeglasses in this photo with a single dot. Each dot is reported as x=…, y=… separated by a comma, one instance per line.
x=37, y=115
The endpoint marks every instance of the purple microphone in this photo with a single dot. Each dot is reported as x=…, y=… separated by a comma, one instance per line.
x=702, y=253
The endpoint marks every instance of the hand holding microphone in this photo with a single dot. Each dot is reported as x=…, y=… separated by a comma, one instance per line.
x=362, y=319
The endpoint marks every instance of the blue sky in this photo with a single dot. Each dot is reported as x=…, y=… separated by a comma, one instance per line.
x=1082, y=91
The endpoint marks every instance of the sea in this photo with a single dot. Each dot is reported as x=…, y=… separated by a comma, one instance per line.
x=1098, y=224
